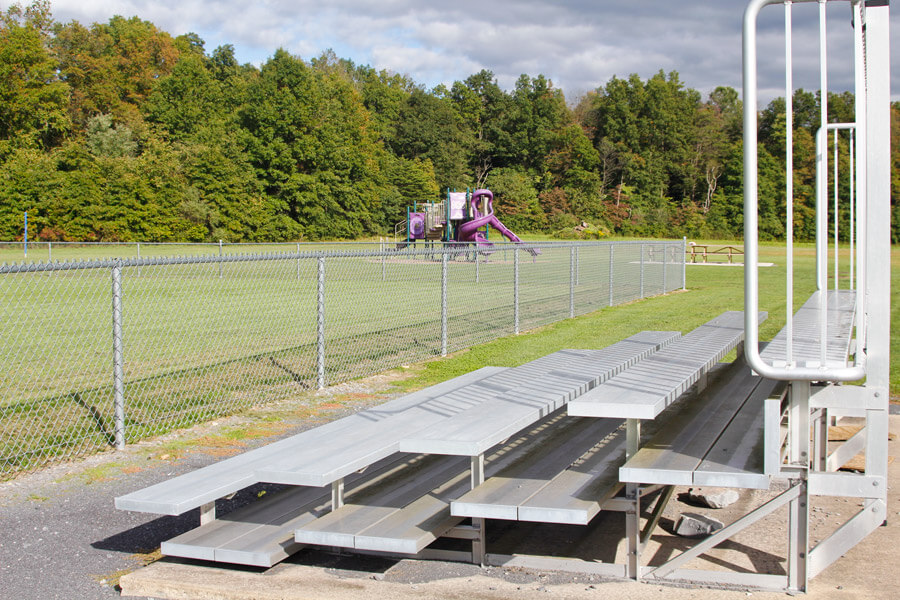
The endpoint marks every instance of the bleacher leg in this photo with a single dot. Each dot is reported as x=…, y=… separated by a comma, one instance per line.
x=798, y=448
x=633, y=530
x=478, y=543
x=208, y=513
x=798, y=541
x=820, y=440
x=633, y=494
x=337, y=494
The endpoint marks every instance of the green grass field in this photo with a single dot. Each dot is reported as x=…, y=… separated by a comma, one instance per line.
x=198, y=344
x=711, y=290
x=202, y=340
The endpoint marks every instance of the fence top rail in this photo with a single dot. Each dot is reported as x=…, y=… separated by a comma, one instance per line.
x=452, y=249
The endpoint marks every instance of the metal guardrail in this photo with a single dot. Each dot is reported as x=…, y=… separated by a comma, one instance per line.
x=793, y=371
x=104, y=352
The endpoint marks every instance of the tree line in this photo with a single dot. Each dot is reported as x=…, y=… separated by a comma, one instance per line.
x=119, y=131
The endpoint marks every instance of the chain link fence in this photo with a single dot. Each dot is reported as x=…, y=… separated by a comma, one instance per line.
x=102, y=353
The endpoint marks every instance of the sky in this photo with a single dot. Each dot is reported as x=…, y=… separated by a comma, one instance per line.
x=577, y=44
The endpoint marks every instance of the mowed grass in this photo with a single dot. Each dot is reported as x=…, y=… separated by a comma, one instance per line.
x=64, y=251
x=711, y=290
x=198, y=344
x=207, y=339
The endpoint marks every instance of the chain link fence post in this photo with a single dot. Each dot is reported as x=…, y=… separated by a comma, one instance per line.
x=684, y=263
x=220, y=256
x=477, y=274
x=642, y=271
x=612, y=253
x=577, y=266
x=118, y=359
x=665, y=269
x=298, y=260
x=571, y=281
x=320, y=324
x=516, y=291
x=444, y=302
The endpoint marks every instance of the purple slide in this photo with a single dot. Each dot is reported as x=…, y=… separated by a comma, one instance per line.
x=468, y=231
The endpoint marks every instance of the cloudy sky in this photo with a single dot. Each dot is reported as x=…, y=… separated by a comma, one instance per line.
x=578, y=44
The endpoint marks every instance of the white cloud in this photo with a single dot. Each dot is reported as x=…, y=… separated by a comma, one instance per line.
x=579, y=44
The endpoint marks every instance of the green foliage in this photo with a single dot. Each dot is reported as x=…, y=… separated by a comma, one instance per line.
x=32, y=97
x=117, y=131
x=516, y=200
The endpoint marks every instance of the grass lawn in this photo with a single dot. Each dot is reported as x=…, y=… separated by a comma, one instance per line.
x=199, y=344
x=711, y=290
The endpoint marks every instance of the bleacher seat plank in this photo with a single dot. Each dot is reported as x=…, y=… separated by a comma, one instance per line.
x=806, y=352
x=500, y=496
x=714, y=437
x=575, y=496
x=262, y=533
x=549, y=384
x=645, y=389
x=737, y=459
x=258, y=534
x=550, y=458
x=185, y=492
x=424, y=475
x=405, y=517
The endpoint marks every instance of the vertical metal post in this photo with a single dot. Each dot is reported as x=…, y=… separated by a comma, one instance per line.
x=852, y=222
x=665, y=268
x=337, y=494
x=577, y=266
x=836, y=218
x=208, y=512
x=642, y=271
x=822, y=157
x=220, y=256
x=876, y=274
x=320, y=324
x=50, y=253
x=516, y=291
x=612, y=252
x=798, y=449
x=684, y=263
x=298, y=260
x=571, y=281
x=139, y=258
x=789, y=180
x=798, y=539
x=25, y=235
x=118, y=360
x=476, y=471
x=633, y=494
x=444, y=303
x=477, y=274
x=383, y=267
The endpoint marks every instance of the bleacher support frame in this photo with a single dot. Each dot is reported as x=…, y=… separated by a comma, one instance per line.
x=814, y=397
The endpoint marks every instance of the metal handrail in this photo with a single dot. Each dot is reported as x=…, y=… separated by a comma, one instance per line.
x=751, y=217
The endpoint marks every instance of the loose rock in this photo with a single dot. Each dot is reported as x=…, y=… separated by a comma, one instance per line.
x=697, y=525
x=713, y=497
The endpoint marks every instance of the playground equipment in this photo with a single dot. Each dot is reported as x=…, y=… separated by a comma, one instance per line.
x=558, y=440
x=477, y=229
x=464, y=217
